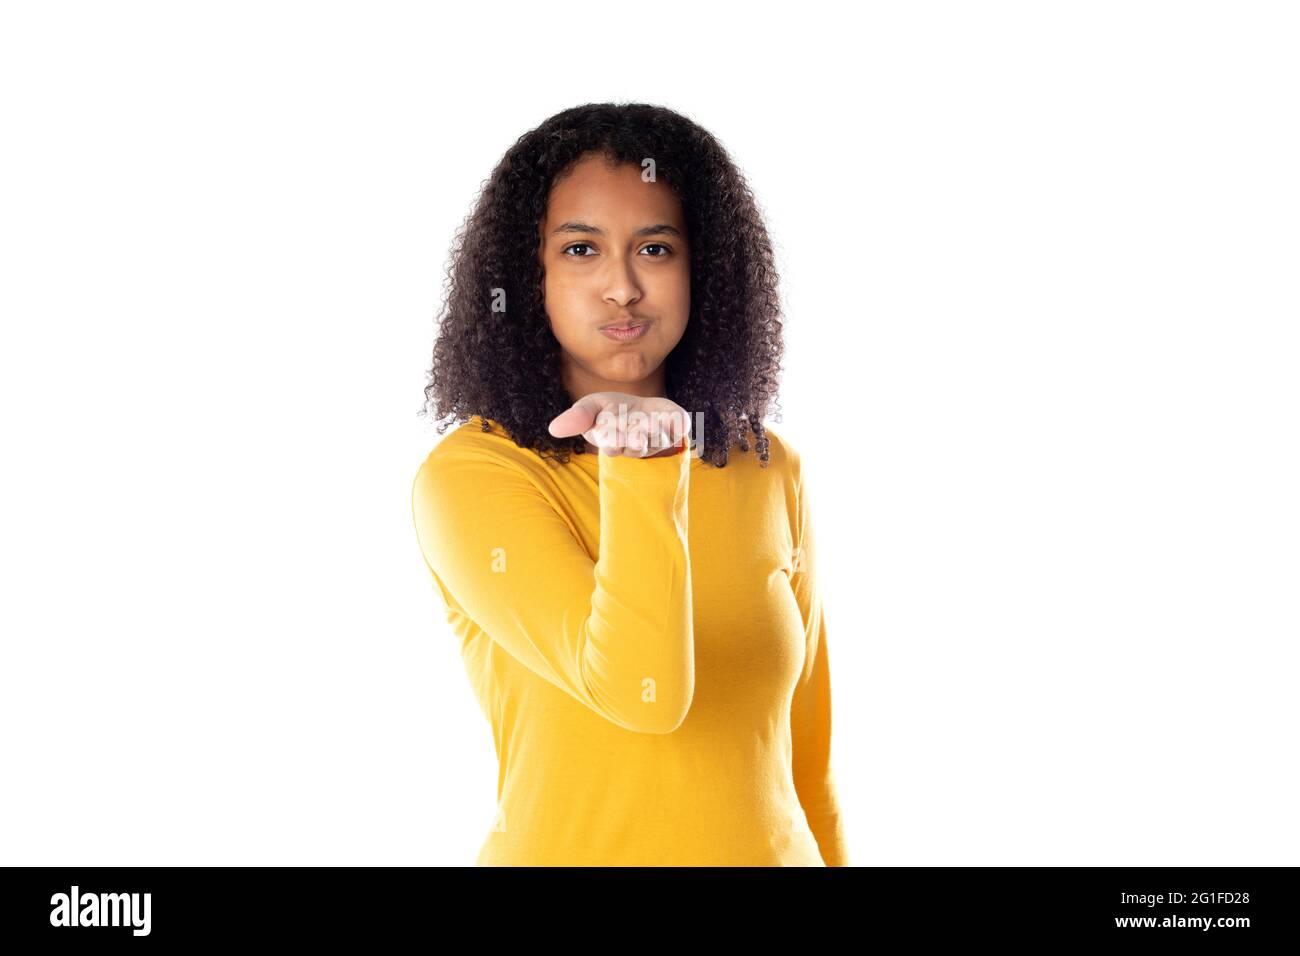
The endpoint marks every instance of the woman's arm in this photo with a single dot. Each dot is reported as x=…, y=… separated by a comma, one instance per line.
x=810, y=710
x=616, y=634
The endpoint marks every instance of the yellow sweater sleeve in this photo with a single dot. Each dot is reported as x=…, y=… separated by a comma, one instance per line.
x=616, y=634
x=810, y=710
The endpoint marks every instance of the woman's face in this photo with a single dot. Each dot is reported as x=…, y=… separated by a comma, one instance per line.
x=614, y=252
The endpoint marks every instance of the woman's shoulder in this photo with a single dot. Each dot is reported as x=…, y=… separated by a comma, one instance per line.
x=467, y=454
x=781, y=452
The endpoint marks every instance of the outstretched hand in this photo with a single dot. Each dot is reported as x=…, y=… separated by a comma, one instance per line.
x=621, y=424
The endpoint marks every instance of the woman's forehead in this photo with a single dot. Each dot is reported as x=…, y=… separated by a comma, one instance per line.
x=606, y=199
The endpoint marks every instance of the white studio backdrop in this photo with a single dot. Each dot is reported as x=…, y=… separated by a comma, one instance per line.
x=1039, y=264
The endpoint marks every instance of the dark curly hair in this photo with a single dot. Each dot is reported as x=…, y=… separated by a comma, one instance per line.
x=724, y=370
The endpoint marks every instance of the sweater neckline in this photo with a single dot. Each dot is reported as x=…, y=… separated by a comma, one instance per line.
x=594, y=458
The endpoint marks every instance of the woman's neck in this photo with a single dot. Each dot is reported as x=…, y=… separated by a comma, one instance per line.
x=578, y=382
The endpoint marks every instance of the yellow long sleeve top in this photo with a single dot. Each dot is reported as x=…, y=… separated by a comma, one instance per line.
x=646, y=638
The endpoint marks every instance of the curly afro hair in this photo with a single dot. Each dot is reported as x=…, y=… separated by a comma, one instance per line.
x=725, y=369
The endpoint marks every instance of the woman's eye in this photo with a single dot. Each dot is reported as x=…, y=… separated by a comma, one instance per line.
x=577, y=245
x=658, y=245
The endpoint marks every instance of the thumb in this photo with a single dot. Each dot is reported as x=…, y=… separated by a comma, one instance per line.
x=579, y=417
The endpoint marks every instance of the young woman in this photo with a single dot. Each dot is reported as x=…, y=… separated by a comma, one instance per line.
x=637, y=606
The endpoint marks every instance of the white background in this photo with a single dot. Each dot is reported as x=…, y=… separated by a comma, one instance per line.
x=1040, y=275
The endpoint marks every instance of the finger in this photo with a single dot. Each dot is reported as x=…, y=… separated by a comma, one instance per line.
x=654, y=435
x=673, y=429
x=605, y=438
x=622, y=442
x=580, y=416
x=572, y=421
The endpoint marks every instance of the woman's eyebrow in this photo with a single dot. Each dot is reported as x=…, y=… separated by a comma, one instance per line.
x=661, y=228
